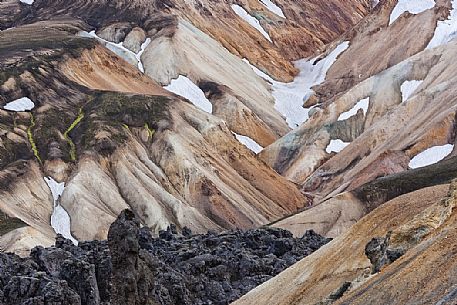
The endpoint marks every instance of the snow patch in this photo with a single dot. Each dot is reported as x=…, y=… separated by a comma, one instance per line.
x=362, y=104
x=249, y=143
x=144, y=45
x=291, y=96
x=120, y=50
x=272, y=7
x=29, y=2
x=241, y=12
x=60, y=220
x=336, y=146
x=259, y=72
x=446, y=30
x=22, y=104
x=431, y=156
x=186, y=88
x=412, y=6
x=408, y=88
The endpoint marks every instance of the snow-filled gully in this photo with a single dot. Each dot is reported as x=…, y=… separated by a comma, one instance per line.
x=412, y=6
x=184, y=87
x=431, y=156
x=408, y=88
x=362, y=104
x=289, y=97
x=249, y=143
x=120, y=50
x=336, y=146
x=446, y=30
x=241, y=12
x=272, y=7
x=60, y=220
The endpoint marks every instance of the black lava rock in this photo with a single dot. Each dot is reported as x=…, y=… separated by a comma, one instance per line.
x=133, y=267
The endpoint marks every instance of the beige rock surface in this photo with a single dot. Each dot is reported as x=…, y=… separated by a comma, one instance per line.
x=135, y=39
x=29, y=199
x=150, y=151
x=331, y=218
x=103, y=70
x=317, y=276
x=192, y=53
x=22, y=240
x=389, y=125
x=239, y=118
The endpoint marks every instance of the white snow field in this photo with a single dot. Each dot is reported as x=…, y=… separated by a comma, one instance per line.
x=336, y=146
x=29, y=2
x=60, y=220
x=186, y=88
x=446, y=30
x=273, y=8
x=412, y=6
x=120, y=50
x=249, y=143
x=362, y=104
x=291, y=96
x=21, y=104
x=241, y=12
x=408, y=88
x=431, y=156
x=138, y=55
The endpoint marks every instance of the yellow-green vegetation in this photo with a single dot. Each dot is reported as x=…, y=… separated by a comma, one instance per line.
x=30, y=136
x=67, y=137
x=115, y=113
x=151, y=131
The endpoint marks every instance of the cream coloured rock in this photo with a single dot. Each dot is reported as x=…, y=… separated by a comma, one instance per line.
x=314, y=278
x=331, y=218
x=239, y=118
x=192, y=53
x=115, y=32
x=92, y=201
x=22, y=240
x=28, y=198
x=135, y=39
x=300, y=155
x=217, y=174
x=147, y=190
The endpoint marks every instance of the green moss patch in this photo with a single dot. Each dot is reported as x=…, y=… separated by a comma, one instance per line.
x=69, y=129
x=112, y=114
x=31, y=140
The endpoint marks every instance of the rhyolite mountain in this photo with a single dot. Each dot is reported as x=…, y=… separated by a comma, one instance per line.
x=333, y=116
